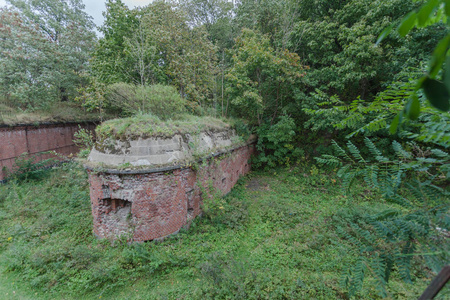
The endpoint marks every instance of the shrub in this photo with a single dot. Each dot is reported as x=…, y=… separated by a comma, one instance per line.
x=160, y=100
x=83, y=139
x=27, y=168
x=121, y=98
x=276, y=143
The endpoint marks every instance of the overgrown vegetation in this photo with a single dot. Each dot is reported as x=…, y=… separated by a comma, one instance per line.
x=151, y=126
x=45, y=48
x=159, y=100
x=61, y=112
x=29, y=167
x=274, y=236
x=417, y=222
x=298, y=73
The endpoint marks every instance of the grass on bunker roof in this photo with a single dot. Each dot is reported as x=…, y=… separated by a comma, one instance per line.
x=146, y=125
x=57, y=113
x=272, y=237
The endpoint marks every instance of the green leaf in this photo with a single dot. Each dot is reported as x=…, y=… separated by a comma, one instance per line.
x=384, y=34
x=437, y=94
x=407, y=23
x=394, y=124
x=419, y=83
x=413, y=108
x=425, y=11
x=447, y=8
x=438, y=56
x=447, y=73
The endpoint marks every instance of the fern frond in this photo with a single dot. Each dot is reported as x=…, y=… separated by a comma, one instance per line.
x=358, y=273
x=328, y=160
x=372, y=148
x=378, y=268
x=354, y=151
x=404, y=261
x=400, y=151
x=340, y=152
x=439, y=153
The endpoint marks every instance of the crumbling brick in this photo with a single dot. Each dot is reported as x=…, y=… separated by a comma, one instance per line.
x=154, y=205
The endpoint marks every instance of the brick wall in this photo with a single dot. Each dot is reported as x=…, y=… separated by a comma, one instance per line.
x=16, y=140
x=153, y=205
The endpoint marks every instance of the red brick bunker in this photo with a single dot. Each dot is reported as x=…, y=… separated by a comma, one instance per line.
x=153, y=202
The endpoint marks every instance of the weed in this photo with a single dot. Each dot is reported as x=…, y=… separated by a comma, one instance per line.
x=83, y=139
x=29, y=167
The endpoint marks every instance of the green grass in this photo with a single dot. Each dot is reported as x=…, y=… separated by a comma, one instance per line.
x=151, y=126
x=272, y=237
x=58, y=112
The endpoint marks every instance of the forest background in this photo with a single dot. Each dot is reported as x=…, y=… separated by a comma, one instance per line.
x=302, y=74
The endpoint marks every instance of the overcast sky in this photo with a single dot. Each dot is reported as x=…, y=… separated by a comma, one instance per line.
x=95, y=7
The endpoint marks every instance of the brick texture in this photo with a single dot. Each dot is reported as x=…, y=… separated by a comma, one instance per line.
x=154, y=205
x=17, y=140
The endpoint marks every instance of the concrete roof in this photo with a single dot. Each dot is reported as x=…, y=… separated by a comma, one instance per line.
x=161, y=151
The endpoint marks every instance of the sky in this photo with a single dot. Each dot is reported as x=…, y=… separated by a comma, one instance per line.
x=95, y=7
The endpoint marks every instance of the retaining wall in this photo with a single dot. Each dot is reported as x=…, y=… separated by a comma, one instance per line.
x=151, y=204
x=16, y=140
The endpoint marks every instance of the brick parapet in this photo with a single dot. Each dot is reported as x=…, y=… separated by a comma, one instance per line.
x=31, y=139
x=151, y=204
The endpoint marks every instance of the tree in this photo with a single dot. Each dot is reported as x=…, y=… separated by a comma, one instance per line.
x=412, y=228
x=414, y=180
x=337, y=40
x=274, y=18
x=110, y=63
x=429, y=14
x=215, y=16
x=261, y=80
x=188, y=57
x=70, y=31
x=27, y=63
x=155, y=45
x=143, y=54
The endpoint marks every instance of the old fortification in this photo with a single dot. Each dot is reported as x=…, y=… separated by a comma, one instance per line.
x=35, y=139
x=148, y=188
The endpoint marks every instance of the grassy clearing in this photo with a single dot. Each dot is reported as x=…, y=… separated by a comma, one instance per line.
x=272, y=237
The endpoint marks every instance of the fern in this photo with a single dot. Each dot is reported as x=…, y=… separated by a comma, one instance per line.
x=389, y=240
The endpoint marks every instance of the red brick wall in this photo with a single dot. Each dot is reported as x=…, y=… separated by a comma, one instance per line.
x=30, y=139
x=153, y=205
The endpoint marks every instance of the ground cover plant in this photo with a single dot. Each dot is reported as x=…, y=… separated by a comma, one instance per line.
x=274, y=236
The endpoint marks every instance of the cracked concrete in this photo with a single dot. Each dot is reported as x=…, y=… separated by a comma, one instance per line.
x=159, y=151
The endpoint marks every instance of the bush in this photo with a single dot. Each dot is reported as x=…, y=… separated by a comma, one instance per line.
x=83, y=138
x=28, y=167
x=276, y=143
x=121, y=98
x=160, y=100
